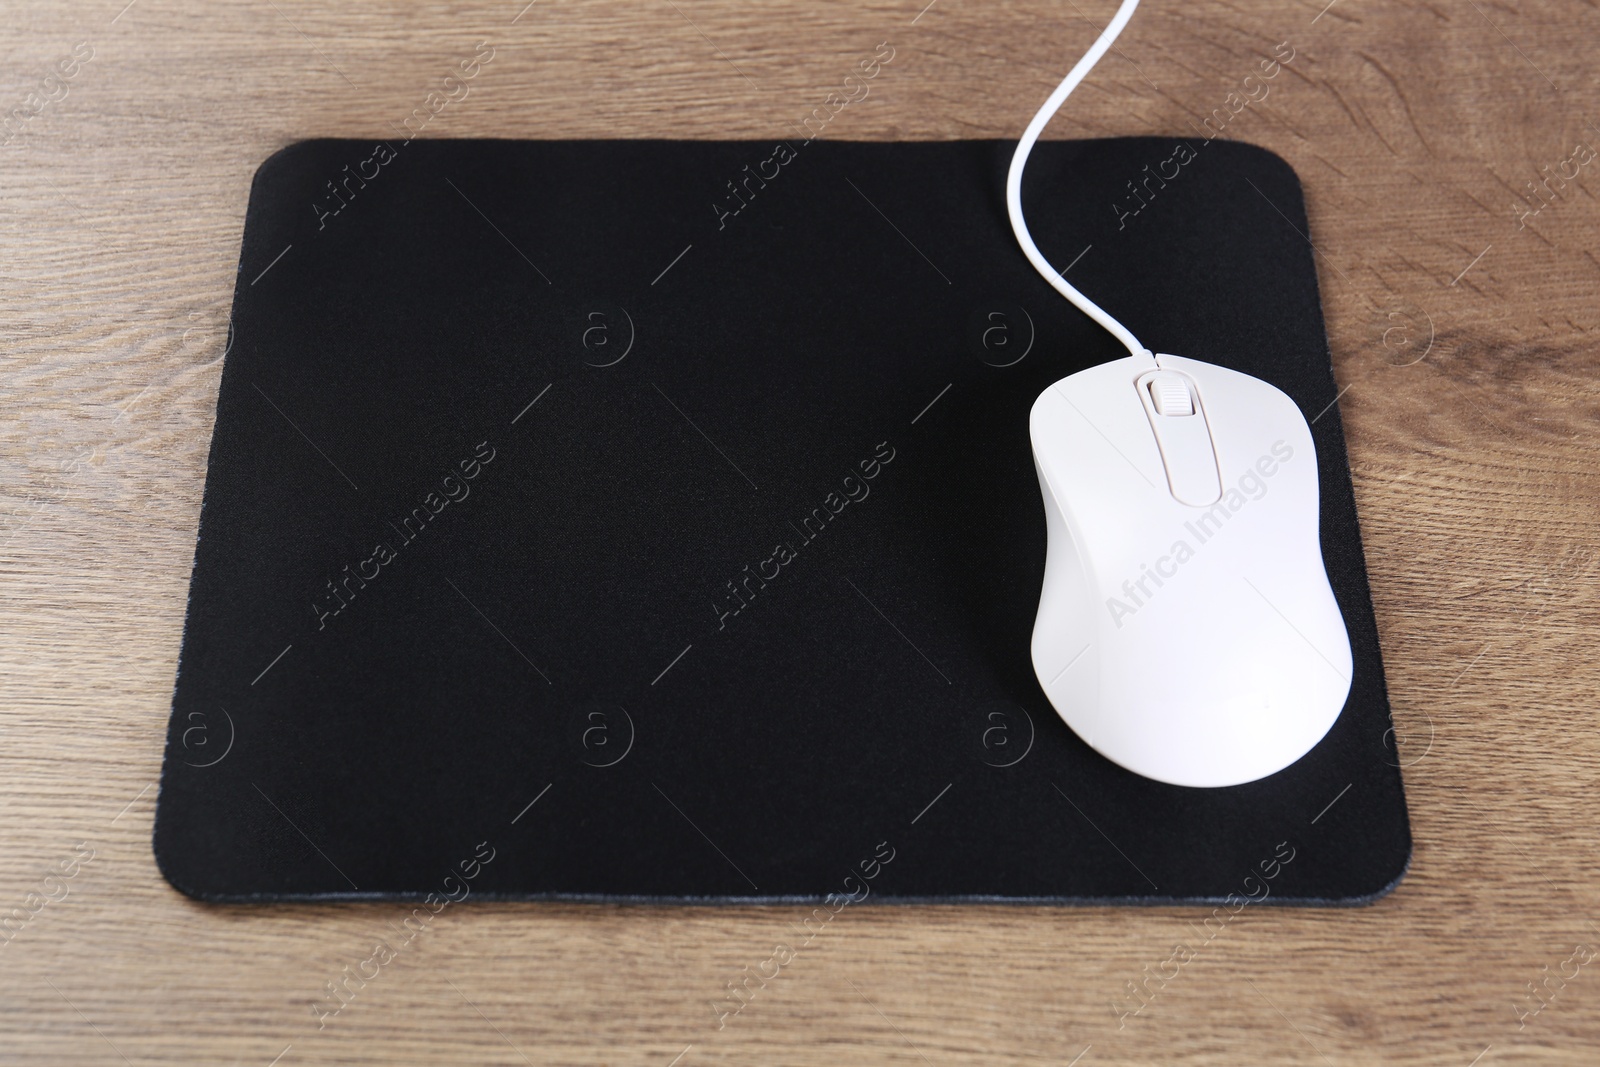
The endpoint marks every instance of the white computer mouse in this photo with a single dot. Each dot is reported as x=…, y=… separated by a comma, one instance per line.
x=1186, y=627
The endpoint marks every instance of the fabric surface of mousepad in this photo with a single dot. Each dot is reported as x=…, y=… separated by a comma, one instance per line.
x=652, y=520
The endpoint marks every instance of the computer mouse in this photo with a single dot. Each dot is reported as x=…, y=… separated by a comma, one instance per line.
x=1186, y=627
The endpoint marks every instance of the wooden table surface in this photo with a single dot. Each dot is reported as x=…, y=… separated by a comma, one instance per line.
x=1461, y=322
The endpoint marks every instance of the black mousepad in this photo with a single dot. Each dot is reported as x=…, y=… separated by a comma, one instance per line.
x=651, y=520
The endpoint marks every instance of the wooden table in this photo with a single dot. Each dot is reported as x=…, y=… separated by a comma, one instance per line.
x=1461, y=323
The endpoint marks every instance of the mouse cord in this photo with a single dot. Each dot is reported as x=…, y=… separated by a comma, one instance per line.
x=1020, y=160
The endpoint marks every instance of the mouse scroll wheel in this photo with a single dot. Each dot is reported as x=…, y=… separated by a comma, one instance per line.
x=1170, y=393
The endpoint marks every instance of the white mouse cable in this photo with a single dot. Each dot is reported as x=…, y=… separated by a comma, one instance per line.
x=1020, y=160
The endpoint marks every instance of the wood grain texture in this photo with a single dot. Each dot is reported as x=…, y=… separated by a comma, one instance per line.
x=1464, y=340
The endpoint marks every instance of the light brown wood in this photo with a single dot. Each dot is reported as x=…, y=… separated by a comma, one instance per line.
x=1415, y=128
